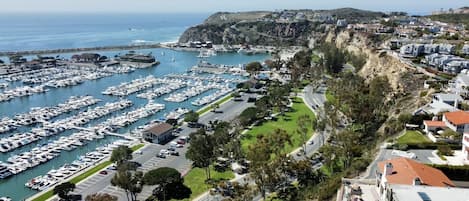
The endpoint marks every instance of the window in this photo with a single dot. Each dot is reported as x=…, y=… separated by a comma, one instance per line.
x=424, y=196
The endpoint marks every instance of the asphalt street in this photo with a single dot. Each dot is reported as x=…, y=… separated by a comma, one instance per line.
x=102, y=183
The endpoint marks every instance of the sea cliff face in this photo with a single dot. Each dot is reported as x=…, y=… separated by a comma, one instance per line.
x=280, y=28
x=259, y=33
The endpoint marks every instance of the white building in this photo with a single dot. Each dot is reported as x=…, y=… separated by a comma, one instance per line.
x=465, y=146
x=457, y=121
x=465, y=49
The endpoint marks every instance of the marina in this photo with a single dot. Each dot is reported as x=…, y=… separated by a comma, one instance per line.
x=86, y=130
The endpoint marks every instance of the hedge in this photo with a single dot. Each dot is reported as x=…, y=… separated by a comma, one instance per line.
x=425, y=145
x=458, y=173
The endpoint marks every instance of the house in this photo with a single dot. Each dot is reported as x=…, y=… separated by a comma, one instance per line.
x=365, y=190
x=424, y=193
x=158, y=133
x=457, y=121
x=412, y=50
x=446, y=49
x=465, y=49
x=441, y=102
x=447, y=63
x=433, y=126
x=405, y=171
x=450, y=99
x=465, y=146
x=342, y=23
x=460, y=84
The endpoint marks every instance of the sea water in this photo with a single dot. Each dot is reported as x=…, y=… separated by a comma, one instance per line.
x=171, y=62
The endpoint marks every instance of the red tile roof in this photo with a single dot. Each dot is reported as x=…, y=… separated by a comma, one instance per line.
x=405, y=170
x=458, y=117
x=435, y=124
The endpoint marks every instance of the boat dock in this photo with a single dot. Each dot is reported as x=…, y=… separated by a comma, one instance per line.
x=106, y=132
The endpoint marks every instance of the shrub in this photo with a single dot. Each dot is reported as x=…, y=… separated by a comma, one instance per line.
x=458, y=173
x=445, y=150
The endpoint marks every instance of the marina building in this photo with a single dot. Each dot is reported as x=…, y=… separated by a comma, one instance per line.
x=158, y=133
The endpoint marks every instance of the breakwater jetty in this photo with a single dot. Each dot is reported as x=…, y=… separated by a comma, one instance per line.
x=83, y=49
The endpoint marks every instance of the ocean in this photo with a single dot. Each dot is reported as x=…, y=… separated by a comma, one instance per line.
x=70, y=31
x=52, y=31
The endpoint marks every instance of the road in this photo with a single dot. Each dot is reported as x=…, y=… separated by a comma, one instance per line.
x=149, y=161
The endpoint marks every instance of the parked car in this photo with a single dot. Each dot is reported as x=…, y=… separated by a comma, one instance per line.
x=161, y=155
x=174, y=153
x=171, y=148
x=179, y=146
x=112, y=167
x=104, y=172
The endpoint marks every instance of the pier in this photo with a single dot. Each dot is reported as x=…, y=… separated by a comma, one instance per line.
x=83, y=49
x=106, y=132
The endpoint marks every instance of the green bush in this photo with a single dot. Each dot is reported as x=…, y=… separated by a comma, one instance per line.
x=458, y=173
x=431, y=145
x=445, y=150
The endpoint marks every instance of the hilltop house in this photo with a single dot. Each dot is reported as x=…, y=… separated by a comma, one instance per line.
x=404, y=171
x=447, y=63
x=158, y=133
x=457, y=121
x=402, y=179
x=441, y=102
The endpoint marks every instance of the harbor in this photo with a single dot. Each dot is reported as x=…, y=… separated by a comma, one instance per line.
x=33, y=124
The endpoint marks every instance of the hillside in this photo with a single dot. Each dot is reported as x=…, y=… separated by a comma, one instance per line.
x=462, y=18
x=287, y=27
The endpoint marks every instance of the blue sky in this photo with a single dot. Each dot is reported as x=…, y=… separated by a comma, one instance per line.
x=208, y=6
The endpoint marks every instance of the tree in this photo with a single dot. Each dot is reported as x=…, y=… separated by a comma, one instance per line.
x=215, y=106
x=266, y=156
x=304, y=122
x=163, y=177
x=121, y=155
x=192, y=117
x=201, y=151
x=100, y=197
x=248, y=116
x=452, y=135
x=130, y=182
x=63, y=189
x=334, y=58
x=253, y=67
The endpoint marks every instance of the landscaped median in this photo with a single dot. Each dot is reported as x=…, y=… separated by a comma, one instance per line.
x=50, y=193
x=219, y=102
x=288, y=122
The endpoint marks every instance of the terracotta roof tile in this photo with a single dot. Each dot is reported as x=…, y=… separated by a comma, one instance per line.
x=405, y=170
x=458, y=117
x=435, y=123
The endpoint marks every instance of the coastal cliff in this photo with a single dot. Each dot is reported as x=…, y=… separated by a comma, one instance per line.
x=280, y=28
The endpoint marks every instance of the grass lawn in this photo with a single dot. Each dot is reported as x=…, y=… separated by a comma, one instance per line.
x=84, y=175
x=412, y=137
x=287, y=122
x=195, y=180
x=137, y=147
x=208, y=108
